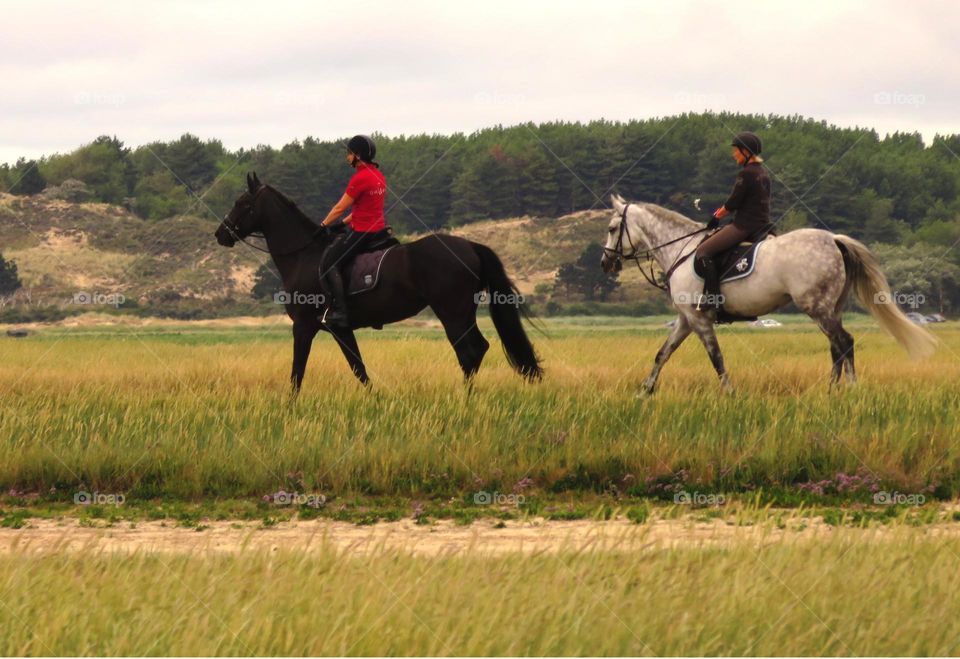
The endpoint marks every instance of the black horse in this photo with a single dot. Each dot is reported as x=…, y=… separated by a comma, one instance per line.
x=444, y=272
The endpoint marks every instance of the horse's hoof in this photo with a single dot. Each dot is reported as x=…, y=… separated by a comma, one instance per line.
x=841, y=385
x=646, y=390
x=725, y=387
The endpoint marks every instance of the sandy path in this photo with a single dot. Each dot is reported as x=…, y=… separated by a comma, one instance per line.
x=443, y=537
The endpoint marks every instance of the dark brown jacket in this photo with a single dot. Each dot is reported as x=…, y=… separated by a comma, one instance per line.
x=750, y=199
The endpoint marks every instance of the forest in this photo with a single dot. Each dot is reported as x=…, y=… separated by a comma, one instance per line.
x=894, y=192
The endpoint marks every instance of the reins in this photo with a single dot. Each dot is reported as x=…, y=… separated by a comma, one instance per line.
x=243, y=239
x=636, y=255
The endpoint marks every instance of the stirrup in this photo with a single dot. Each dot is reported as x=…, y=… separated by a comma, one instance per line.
x=336, y=319
x=703, y=305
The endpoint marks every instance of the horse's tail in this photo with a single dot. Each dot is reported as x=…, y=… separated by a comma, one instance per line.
x=872, y=290
x=506, y=311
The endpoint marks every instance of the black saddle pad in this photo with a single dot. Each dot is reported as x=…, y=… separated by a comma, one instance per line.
x=738, y=262
x=362, y=274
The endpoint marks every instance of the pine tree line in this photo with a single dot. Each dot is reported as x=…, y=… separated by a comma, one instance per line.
x=850, y=180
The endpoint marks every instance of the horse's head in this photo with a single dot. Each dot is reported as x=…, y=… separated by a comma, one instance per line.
x=612, y=259
x=243, y=219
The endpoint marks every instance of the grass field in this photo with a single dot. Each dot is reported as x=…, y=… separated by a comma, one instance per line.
x=183, y=413
x=845, y=595
x=182, y=424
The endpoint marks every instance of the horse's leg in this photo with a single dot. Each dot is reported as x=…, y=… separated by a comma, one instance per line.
x=841, y=347
x=303, y=333
x=848, y=368
x=836, y=357
x=348, y=346
x=465, y=337
x=702, y=325
x=680, y=331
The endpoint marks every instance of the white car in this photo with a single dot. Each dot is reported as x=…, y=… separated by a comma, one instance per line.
x=766, y=322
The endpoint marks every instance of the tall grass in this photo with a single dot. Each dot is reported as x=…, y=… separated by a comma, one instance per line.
x=846, y=595
x=204, y=414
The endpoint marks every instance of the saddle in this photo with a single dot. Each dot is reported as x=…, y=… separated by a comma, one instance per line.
x=361, y=274
x=736, y=263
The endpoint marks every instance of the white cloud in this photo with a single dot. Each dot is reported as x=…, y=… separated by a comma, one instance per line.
x=270, y=72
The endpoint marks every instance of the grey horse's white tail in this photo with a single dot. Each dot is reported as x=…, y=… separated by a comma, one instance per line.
x=872, y=290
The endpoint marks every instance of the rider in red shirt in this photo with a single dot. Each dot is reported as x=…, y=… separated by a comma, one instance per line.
x=365, y=192
x=367, y=188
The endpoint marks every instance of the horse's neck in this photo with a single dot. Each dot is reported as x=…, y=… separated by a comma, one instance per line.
x=285, y=232
x=292, y=248
x=658, y=230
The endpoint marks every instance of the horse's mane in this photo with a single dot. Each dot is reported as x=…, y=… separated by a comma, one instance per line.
x=673, y=216
x=292, y=207
x=664, y=213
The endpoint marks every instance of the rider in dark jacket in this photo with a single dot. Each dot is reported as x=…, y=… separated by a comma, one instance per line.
x=750, y=200
x=365, y=192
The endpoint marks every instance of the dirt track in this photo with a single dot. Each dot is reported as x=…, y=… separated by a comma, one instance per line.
x=438, y=538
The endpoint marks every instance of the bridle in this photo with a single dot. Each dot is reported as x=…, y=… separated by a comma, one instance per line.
x=617, y=253
x=234, y=229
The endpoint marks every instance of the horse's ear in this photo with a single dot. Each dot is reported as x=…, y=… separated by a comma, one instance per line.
x=618, y=202
x=256, y=180
x=250, y=186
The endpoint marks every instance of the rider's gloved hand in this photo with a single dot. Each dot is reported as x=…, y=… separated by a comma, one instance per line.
x=323, y=231
x=718, y=215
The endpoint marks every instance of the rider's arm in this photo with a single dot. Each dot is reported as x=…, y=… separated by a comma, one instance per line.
x=339, y=209
x=348, y=219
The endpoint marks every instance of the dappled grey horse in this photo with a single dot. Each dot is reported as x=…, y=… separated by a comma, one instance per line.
x=816, y=269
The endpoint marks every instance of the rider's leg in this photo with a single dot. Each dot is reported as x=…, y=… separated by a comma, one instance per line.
x=727, y=237
x=334, y=258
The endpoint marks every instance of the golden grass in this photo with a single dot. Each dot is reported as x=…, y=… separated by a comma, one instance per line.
x=842, y=596
x=209, y=414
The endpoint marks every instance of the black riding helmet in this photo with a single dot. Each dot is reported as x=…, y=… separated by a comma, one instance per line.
x=363, y=147
x=749, y=142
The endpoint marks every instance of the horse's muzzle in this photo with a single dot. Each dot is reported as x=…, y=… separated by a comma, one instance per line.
x=224, y=237
x=609, y=264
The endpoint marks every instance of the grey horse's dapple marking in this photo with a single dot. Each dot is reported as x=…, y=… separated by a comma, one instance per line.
x=815, y=269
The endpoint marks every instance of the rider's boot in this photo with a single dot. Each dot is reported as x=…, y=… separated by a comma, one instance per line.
x=710, y=300
x=336, y=315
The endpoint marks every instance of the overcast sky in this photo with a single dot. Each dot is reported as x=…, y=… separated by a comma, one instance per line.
x=271, y=71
